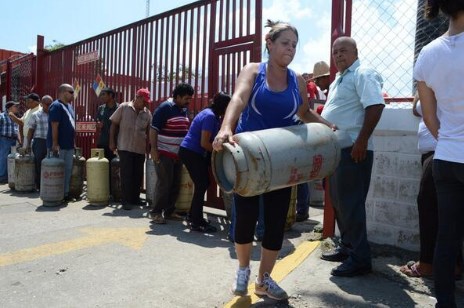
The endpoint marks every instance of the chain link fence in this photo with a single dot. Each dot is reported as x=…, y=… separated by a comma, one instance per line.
x=390, y=35
x=22, y=79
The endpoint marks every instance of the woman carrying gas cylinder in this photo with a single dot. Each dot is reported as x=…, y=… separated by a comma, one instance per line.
x=267, y=95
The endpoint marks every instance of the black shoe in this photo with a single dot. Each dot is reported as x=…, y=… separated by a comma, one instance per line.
x=334, y=256
x=301, y=217
x=350, y=270
x=204, y=227
x=127, y=206
x=139, y=202
x=174, y=216
x=69, y=199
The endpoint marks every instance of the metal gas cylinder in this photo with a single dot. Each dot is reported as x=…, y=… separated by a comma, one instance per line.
x=274, y=158
x=24, y=171
x=11, y=167
x=316, y=193
x=76, y=183
x=116, y=179
x=150, y=181
x=185, y=196
x=98, y=186
x=52, y=180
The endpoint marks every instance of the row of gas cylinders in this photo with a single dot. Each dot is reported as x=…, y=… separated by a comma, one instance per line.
x=21, y=176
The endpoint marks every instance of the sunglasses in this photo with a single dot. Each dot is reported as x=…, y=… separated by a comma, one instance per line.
x=70, y=92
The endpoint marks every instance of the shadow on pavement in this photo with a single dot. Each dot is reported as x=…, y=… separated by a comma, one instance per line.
x=118, y=211
x=57, y=208
x=180, y=230
x=22, y=194
x=371, y=291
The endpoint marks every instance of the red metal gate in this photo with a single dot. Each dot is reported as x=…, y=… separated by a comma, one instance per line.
x=236, y=45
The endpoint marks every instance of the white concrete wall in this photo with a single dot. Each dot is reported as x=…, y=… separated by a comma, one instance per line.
x=392, y=216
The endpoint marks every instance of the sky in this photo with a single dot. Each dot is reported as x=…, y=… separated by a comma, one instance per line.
x=67, y=22
x=63, y=21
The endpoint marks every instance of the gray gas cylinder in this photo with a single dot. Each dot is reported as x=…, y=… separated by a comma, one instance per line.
x=275, y=158
x=316, y=193
x=52, y=180
x=11, y=167
x=150, y=180
x=24, y=172
x=115, y=181
x=77, y=175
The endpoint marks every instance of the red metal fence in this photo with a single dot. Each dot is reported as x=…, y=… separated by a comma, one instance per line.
x=205, y=43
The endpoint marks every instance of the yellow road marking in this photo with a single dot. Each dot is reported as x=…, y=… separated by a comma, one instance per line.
x=130, y=237
x=281, y=269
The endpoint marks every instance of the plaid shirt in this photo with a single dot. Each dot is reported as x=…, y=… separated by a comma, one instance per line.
x=39, y=123
x=8, y=128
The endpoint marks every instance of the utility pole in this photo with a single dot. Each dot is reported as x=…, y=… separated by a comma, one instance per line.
x=148, y=8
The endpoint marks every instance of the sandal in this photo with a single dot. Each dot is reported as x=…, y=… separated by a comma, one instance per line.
x=412, y=269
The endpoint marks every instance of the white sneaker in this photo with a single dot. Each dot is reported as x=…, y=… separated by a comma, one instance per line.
x=268, y=287
x=240, y=286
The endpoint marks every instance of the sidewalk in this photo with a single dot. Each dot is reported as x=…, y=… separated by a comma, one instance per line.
x=85, y=256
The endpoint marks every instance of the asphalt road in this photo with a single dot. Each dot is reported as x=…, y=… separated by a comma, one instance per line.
x=84, y=256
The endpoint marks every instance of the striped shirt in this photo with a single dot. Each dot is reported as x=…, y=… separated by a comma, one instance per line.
x=27, y=118
x=172, y=125
x=8, y=128
x=39, y=123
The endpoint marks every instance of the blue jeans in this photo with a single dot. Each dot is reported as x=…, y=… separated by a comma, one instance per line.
x=302, y=198
x=259, y=226
x=349, y=186
x=67, y=156
x=5, y=148
x=449, y=182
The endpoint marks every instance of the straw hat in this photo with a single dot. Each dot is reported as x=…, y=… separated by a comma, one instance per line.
x=321, y=69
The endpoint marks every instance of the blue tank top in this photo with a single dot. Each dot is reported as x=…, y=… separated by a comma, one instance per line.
x=269, y=109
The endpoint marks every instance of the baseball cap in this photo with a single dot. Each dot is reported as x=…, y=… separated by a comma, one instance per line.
x=108, y=90
x=10, y=103
x=145, y=94
x=33, y=96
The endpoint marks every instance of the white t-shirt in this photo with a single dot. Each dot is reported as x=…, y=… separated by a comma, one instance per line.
x=426, y=141
x=441, y=66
